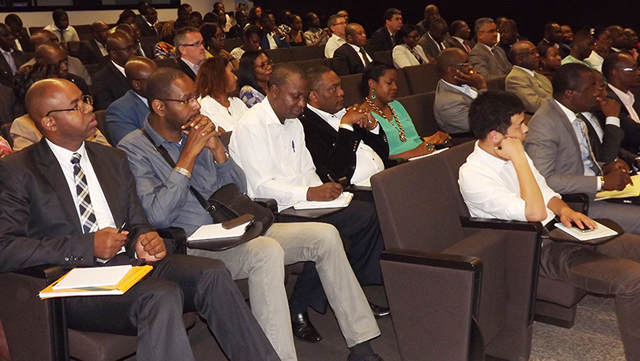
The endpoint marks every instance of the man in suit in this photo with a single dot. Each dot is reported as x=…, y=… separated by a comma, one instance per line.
x=459, y=84
x=352, y=57
x=559, y=146
x=509, y=35
x=487, y=59
x=62, y=201
x=430, y=12
x=56, y=54
x=385, y=38
x=92, y=51
x=532, y=88
x=47, y=37
x=19, y=33
x=552, y=35
x=459, y=36
x=147, y=20
x=621, y=72
x=272, y=36
x=190, y=50
x=618, y=38
x=566, y=38
x=110, y=82
x=130, y=111
x=342, y=142
x=432, y=42
x=11, y=58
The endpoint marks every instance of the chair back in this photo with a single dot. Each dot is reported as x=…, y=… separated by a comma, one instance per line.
x=101, y=117
x=350, y=84
x=384, y=57
x=420, y=108
x=280, y=55
x=421, y=78
x=301, y=53
x=230, y=44
x=403, y=85
x=496, y=83
x=74, y=47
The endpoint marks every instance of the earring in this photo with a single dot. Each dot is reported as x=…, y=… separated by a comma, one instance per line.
x=373, y=94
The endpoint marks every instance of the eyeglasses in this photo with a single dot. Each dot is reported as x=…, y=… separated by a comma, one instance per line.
x=341, y=23
x=630, y=69
x=264, y=66
x=128, y=48
x=220, y=36
x=185, y=101
x=83, y=105
x=461, y=64
x=195, y=45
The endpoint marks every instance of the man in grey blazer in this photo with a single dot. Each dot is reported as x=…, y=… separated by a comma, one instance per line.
x=458, y=87
x=532, y=88
x=432, y=42
x=488, y=60
x=559, y=147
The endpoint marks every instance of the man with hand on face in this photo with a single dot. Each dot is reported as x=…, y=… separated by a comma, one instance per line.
x=487, y=59
x=62, y=201
x=352, y=58
x=532, y=88
x=500, y=181
x=56, y=54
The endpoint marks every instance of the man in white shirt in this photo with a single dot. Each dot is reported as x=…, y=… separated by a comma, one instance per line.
x=500, y=181
x=532, y=88
x=61, y=27
x=190, y=50
x=337, y=24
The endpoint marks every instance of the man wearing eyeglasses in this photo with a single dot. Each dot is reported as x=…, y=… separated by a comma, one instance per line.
x=487, y=59
x=190, y=50
x=337, y=24
x=110, y=83
x=532, y=88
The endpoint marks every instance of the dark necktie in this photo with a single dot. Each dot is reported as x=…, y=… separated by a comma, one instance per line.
x=466, y=46
x=364, y=57
x=87, y=216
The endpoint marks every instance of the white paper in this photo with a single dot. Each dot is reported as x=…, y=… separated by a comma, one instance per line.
x=600, y=232
x=428, y=155
x=342, y=201
x=93, y=277
x=364, y=183
x=214, y=231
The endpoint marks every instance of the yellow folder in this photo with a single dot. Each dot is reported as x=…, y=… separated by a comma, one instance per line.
x=629, y=191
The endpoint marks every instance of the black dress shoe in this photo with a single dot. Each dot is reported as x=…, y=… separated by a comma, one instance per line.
x=379, y=311
x=303, y=329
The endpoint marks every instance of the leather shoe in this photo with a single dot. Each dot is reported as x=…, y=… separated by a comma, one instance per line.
x=374, y=357
x=303, y=329
x=379, y=311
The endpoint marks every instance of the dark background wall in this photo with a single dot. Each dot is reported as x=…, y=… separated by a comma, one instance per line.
x=530, y=15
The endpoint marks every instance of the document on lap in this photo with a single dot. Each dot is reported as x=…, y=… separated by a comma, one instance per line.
x=342, y=201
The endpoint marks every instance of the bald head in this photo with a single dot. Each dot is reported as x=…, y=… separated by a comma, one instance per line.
x=138, y=70
x=43, y=37
x=53, y=54
x=40, y=100
x=100, y=31
x=449, y=62
x=120, y=47
x=524, y=54
x=355, y=34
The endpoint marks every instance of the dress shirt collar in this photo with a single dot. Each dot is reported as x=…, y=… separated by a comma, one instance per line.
x=271, y=117
x=627, y=98
x=64, y=155
x=337, y=38
x=493, y=162
x=460, y=40
x=529, y=71
x=121, y=69
x=191, y=65
x=440, y=45
x=464, y=88
x=332, y=119
x=102, y=48
x=6, y=53
x=54, y=27
x=144, y=100
x=490, y=48
x=356, y=48
x=568, y=112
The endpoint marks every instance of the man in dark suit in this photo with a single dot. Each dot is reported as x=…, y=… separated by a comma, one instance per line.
x=40, y=223
x=487, y=59
x=19, y=33
x=621, y=71
x=336, y=137
x=56, y=54
x=110, y=82
x=351, y=58
x=11, y=59
x=272, y=36
x=459, y=36
x=430, y=12
x=147, y=21
x=91, y=51
x=190, y=50
x=552, y=35
x=385, y=38
x=432, y=42
x=8, y=109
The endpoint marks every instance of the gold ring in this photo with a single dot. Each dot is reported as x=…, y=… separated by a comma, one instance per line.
x=470, y=71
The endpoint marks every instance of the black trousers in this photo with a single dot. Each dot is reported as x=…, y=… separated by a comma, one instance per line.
x=152, y=310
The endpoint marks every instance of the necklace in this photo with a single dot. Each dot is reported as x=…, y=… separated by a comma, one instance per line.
x=397, y=125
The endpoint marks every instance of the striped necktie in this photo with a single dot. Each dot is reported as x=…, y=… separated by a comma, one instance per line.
x=87, y=216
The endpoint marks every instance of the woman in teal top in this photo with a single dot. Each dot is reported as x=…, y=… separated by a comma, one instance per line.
x=379, y=88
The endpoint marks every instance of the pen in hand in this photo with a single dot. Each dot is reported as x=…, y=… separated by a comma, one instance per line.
x=122, y=227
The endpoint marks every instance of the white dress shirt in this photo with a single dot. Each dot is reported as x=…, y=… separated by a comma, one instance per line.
x=8, y=57
x=273, y=155
x=627, y=99
x=220, y=115
x=191, y=65
x=120, y=68
x=440, y=45
x=333, y=43
x=596, y=60
x=102, y=48
x=357, y=49
x=404, y=56
x=70, y=33
x=461, y=41
x=490, y=187
x=464, y=88
x=368, y=162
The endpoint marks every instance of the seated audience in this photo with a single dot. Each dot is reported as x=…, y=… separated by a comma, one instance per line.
x=92, y=51
x=253, y=77
x=487, y=59
x=129, y=112
x=550, y=60
x=509, y=35
x=147, y=21
x=272, y=36
x=459, y=36
x=430, y=12
x=110, y=82
x=565, y=38
x=20, y=34
x=195, y=19
x=61, y=27
x=337, y=24
x=459, y=84
x=47, y=37
x=184, y=10
x=552, y=35
x=379, y=88
x=432, y=42
x=618, y=38
x=41, y=224
x=11, y=58
x=601, y=48
x=343, y=142
x=500, y=181
x=408, y=52
x=352, y=57
x=251, y=37
x=296, y=36
x=632, y=42
x=218, y=6
x=241, y=21
x=213, y=39
x=523, y=80
x=9, y=108
x=166, y=197
x=558, y=145
x=581, y=48
x=315, y=36
x=57, y=54
x=24, y=79
x=127, y=16
x=165, y=49
x=216, y=83
x=189, y=50
x=255, y=14
x=285, y=21
x=385, y=38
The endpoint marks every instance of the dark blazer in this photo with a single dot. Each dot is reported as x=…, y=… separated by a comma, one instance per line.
x=609, y=149
x=39, y=222
x=335, y=152
x=89, y=52
x=8, y=106
x=108, y=85
x=380, y=40
x=24, y=41
x=453, y=43
x=6, y=76
x=145, y=29
x=430, y=47
x=347, y=61
x=629, y=126
x=282, y=43
x=185, y=68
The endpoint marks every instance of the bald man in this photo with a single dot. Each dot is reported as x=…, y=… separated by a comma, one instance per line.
x=56, y=54
x=111, y=82
x=532, y=88
x=430, y=12
x=41, y=223
x=130, y=111
x=91, y=51
x=352, y=58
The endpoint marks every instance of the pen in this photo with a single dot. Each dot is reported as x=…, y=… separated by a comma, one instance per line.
x=331, y=178
x=122, y=227
x=293, y=146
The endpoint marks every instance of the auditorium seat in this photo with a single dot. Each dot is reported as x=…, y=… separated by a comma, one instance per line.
x=420, y=109
x=403, y=86
x=73, y=47
x=230, y=44
x=383, y=56
x=301, y=53
x=308, y=64
x=33, y=29
x=496, y=83
x=280, y=55
x=101, y=117
x=92, y=68
x=350, y=85
x=421, y=78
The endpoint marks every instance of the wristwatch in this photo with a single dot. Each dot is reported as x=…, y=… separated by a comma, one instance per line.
x=430, y=147
x=601, y=183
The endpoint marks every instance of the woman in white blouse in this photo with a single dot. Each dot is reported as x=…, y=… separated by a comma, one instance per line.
x=408, y=52
x=215, y=84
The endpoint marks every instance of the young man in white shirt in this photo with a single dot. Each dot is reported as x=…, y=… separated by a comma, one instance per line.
x=500, y=181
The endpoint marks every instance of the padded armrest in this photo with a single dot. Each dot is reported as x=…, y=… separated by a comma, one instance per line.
x=48, y=272
x=175, y=239
x=465, y=263
x=267, y=202
x=501, y=224
x=579, y=202
x=392, y=162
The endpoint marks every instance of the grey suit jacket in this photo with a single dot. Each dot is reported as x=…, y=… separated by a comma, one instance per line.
x=532, y=91
x=487, y=64
x=453, y=43
x=553, y=146
x=429, y=46
x=451, y=108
